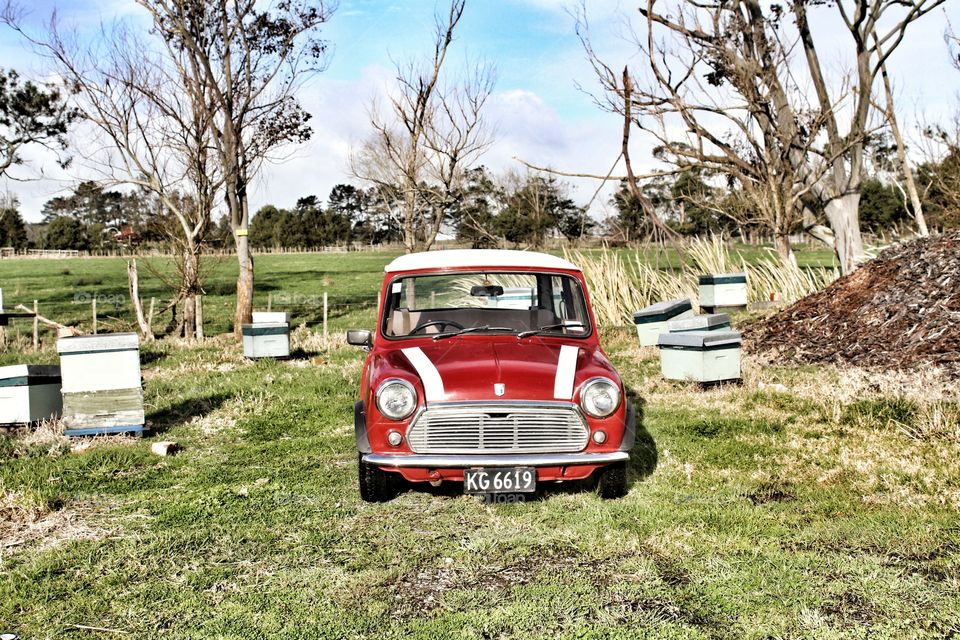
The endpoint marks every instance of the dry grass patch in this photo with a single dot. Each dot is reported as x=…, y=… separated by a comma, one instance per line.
x=26, y=524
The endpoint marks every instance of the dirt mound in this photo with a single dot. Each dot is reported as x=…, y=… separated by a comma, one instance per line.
x=900, y=310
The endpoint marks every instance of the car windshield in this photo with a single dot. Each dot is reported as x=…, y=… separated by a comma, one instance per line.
x=485, y=302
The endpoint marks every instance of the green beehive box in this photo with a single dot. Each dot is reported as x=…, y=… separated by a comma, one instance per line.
x=700, y=356
x=708, y=322
x=266, y=340
x=723, y=291
x=29, y=393
x=652, y=321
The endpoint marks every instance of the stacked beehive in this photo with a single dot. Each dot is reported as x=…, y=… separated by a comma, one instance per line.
x=102, y=388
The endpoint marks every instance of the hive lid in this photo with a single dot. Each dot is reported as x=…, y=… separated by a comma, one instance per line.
x=662, y=311
x=707, y=321
x=12, y=374
x=724, y=278
x=101, y=342
x=700, y=340
x=270, y=316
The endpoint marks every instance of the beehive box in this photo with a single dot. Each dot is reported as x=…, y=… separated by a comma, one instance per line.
x=260, y=317
x=29, y=393
x=652, y=321
x=723, y=291
x=708, y=322
x=266, y=340
x=700, y=356
x=102, y=391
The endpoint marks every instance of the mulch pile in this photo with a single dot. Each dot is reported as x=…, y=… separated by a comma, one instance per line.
x=900, y=310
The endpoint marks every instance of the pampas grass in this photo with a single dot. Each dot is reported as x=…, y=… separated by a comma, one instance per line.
x=619, y=286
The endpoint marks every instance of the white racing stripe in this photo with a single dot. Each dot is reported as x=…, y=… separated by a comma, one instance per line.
x=566, y=371
x=432, y=382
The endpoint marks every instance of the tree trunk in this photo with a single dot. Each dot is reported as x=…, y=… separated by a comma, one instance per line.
x=189, y=316
x=784, y=250
x=244, y=312
x=844, y=220
x=891, y=114
x=190, y=286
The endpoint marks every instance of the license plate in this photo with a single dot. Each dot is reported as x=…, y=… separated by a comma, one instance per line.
x=500, y=480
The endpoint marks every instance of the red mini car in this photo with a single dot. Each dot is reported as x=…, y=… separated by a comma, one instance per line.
x=485, y=369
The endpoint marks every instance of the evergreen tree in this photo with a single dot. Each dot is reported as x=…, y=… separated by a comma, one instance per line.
x=13, y=232
x=65, y=232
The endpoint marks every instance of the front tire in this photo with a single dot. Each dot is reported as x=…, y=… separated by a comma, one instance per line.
x=376, y=485
x=612, y=481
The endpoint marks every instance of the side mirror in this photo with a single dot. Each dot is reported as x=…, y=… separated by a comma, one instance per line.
x=360, y=338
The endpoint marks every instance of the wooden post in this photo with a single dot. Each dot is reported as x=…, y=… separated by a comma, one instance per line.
x=324, y=317
x=134, y=288
x=36, y=326
x=150, y=314
x=93, y=305
x=269, y=301
x=433, y=299
x=199, y=316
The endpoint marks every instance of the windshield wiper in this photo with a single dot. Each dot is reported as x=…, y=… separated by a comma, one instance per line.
x=450, y=334
x=549, y=327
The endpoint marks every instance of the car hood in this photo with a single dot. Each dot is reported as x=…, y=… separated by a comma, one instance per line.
x=467, y=369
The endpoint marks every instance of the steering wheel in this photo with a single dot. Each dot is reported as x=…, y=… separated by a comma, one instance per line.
x=435, y=323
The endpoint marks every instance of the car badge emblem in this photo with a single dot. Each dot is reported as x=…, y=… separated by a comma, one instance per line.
x=499, y=389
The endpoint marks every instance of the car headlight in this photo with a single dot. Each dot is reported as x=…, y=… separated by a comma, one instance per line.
x=396, y=399
x=599, y=397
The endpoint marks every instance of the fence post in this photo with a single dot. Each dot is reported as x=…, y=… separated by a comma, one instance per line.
x=324, y=317
x=93, y=305
x=36, y=326
x=150, y=314
x=269, y=301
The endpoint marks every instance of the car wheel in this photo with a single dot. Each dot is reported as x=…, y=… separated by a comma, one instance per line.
x=376, y=485
x=612, y=481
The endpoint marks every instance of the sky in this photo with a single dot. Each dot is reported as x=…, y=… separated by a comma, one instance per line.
x=541, y=109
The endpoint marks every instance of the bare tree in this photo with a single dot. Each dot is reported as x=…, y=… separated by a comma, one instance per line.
x=719, y=95
x=723, y=91
x=432, y=133
x=247, y=59
x=876, y=29
x=148, y=131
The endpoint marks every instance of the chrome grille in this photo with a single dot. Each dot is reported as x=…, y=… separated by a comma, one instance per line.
x=498, y=428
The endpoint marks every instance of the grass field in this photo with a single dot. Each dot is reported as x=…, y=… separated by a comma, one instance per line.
x=293, y=282
x=807, y=503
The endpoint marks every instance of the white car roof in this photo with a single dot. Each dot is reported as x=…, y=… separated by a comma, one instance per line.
x=466, y=258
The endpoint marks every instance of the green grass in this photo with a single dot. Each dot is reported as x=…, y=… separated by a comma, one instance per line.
x=753, y=513
x=295, y=283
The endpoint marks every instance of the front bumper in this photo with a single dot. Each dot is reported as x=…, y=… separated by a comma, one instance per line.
x=426, y=461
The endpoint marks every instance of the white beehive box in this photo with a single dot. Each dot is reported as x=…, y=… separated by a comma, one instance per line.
x=708, y=322
x=29, y=393
x=700, y=356
x=260, y=317
x=723, y=291
x=102, y=390
x=652, y=321
x=266, y=340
